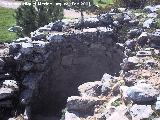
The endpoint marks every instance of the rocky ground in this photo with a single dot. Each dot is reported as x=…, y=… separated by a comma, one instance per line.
x=134, y=95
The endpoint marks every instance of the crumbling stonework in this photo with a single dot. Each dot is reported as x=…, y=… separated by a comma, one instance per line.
x=50, y=66
x=61, y=60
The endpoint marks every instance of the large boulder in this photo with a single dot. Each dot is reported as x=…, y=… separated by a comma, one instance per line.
x=141, y=94
x=90, y=89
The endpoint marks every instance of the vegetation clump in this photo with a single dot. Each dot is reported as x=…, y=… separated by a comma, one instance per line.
x=34, y=16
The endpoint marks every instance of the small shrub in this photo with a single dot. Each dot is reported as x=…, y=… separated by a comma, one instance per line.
x=32, y=17
x=117, y=102
x=101, y=2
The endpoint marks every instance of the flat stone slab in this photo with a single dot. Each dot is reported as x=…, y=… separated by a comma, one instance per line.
x=139, y=112
x=6, y=93
x=143, y=53
x=83, y=104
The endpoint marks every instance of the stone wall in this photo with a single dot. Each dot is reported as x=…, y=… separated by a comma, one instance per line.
x=80, y=58
x=49, y=68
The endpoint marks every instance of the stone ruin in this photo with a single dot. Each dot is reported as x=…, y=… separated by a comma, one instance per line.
x=44, y=70
x=66, y=59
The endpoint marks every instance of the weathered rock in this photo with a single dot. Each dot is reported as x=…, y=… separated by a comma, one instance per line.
x=134, y=22
x=152, y=15
x=44, y=29
x=6, y=93
x=26, y=48
x=119, y=114
x=149, y=23
x=107, y=81
x=157, y=32
x=106, y=88
x=130, y=44
x=141, y=93
x=158, y=104
x=106, y=114
x=122, y=9
x=155, y=41
x=143, y=53
x=143, y=39
x=130, y=63
x=106, y=19
x=151, y=63
x=107, y=78
x=118, y=17
x=11, y=84
x=25, y=39
x=12, y=119
x=55, y=38
x=88, y=22
x=71, y=116
x=92, y=89
x=83, y=104
x=130, y=77
x=127, y=18
x=57, y=26
x=151, y=9
x=38, y=36
x=139, y=112
x=133, y=33
x=133, y=60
